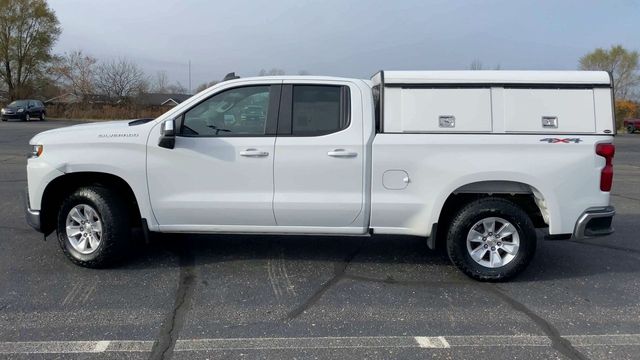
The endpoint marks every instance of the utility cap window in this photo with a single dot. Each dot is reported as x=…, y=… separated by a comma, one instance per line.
x=319, y=109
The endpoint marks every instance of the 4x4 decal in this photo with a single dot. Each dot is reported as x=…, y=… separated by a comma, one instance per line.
x=561, y=140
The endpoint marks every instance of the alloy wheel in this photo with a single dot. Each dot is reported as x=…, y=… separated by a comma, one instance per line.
x=84, y=229
x=493, y=242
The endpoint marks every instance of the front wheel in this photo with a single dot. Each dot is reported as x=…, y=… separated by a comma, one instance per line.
x=27, y=117
x=42, y=116
x=94, y=227
x=491, y=239
x=631, y=129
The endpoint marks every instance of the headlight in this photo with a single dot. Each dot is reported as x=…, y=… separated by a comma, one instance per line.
x=20, y=110
x=36, y=151
x=2, y=111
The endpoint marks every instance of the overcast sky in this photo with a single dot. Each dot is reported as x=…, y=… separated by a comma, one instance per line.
x=342, y=37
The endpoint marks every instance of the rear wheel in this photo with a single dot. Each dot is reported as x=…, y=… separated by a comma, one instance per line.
x=491, y=239
x=94, y=227
x=631, y=129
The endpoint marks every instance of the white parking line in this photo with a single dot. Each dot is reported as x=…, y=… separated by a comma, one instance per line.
x=101, y=346
x=311, y=343
x=432, y=342
x=65, y=347
x=294, y=343
x=604, y=340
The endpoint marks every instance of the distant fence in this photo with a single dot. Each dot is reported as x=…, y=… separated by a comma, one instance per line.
x=104, y=111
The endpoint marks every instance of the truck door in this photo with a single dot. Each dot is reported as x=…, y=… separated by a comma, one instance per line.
x=319, y=156
x=220, y=172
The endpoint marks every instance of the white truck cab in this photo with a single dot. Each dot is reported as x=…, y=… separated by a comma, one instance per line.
x=475, y=161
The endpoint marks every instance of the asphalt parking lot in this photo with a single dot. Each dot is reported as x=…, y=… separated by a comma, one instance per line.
x=196, y=297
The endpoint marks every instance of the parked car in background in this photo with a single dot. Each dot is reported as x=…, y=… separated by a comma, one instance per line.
x=632, y=125
x=25, y=110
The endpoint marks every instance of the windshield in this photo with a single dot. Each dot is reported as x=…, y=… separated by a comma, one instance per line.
x=19, y=103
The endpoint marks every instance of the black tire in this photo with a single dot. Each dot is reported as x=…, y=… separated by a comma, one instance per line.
x=116, y=226
x=42, y=116
x=27, y=117
x=631, y=129
x=468, y=216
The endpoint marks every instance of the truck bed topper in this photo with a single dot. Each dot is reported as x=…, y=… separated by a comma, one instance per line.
x=562, y=102
x=493, y=77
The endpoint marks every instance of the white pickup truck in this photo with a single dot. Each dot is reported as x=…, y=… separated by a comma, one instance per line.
x=474, y=161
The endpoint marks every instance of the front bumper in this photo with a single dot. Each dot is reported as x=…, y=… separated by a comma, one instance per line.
x=20, y=116
x=595, y=222
x=32, y=216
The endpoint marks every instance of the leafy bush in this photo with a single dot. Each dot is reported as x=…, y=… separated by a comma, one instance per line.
x=625, y=109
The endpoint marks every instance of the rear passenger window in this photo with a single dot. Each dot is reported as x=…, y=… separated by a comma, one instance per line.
x=319, y=110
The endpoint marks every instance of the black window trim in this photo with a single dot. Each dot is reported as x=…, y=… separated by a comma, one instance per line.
x=275, y=91
x=285, y=118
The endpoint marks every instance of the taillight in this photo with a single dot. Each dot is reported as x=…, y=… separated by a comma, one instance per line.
x=606, y=176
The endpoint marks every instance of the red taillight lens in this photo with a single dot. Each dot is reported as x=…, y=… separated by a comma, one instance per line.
x=606, y=176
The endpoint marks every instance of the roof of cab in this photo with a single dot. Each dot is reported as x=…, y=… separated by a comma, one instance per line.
x=493, y=77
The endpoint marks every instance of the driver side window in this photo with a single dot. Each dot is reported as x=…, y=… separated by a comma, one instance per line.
x=234, y=112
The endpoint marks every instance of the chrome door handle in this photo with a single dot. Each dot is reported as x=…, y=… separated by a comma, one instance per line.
x=253, y=153
x=342, y=153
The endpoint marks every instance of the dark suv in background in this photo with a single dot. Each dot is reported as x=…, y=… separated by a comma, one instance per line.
x=24, y=110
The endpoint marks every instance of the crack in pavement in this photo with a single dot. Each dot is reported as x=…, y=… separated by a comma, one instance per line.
x=339, y=270
x=391, y=281
x=560, y=344
x=171, y=326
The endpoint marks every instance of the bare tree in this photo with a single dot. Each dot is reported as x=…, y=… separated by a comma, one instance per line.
x=205, y=85
x=77, y=72
x=161, y=82
x=28, y=30
x=476, y=64
x=176, y=88
x=120, y=79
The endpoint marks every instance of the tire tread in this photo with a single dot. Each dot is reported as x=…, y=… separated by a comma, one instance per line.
x=115, y=225
x=491, y=206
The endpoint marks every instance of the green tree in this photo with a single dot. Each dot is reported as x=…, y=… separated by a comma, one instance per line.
x=620, y=62
x=28, y=30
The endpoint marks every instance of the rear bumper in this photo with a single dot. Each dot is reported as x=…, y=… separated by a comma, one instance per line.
x=32, y=216
x=595, y=222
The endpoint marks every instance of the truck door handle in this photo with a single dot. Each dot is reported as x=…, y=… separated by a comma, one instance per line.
x=253, y=153
x=342, y=153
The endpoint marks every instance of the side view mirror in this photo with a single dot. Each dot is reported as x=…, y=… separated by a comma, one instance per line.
x=167, y=134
